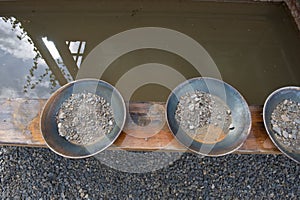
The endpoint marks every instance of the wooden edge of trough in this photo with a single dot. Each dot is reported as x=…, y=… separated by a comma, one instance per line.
x=19, y=126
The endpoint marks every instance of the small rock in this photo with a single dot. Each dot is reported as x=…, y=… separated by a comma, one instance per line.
x=191, y=107
x=193, y=96
x=277, y=129
x=285, y=134
x=61, y=115
x=285, y=118
x=82, y=194
x=294, y=136
x=191, y=127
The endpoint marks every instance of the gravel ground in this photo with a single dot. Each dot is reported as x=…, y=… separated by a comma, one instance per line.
x=36, y=173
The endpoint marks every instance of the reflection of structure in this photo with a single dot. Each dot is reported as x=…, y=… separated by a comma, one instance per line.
x=38, y=42
x=64, y=52
x=67, y=54
x=77, y=50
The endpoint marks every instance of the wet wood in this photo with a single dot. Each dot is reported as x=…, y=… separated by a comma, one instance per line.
x=19, y=122
x=19, y=125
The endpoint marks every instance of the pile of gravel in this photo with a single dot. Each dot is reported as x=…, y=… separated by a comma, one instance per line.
x=285, y=120
x=84, y=118
x=198, y=109
x=36, y=173
x=204, y=117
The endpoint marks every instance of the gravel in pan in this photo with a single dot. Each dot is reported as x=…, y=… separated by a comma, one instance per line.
x=34, y=173
x=203, y=116
x=84, y=118
x=285, y=120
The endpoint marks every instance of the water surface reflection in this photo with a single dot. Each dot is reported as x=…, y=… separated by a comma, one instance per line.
x=255, y=46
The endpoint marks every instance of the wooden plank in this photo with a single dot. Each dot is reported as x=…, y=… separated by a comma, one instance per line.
x=19, y=125
x=19, y=122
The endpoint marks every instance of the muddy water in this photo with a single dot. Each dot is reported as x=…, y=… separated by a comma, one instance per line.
x=256, y=46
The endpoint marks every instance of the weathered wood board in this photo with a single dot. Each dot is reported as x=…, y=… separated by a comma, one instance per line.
x=19, y=125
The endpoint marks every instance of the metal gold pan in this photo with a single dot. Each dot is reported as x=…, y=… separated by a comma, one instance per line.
x=291, y=93
x=48, y=122
x=240, y=114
